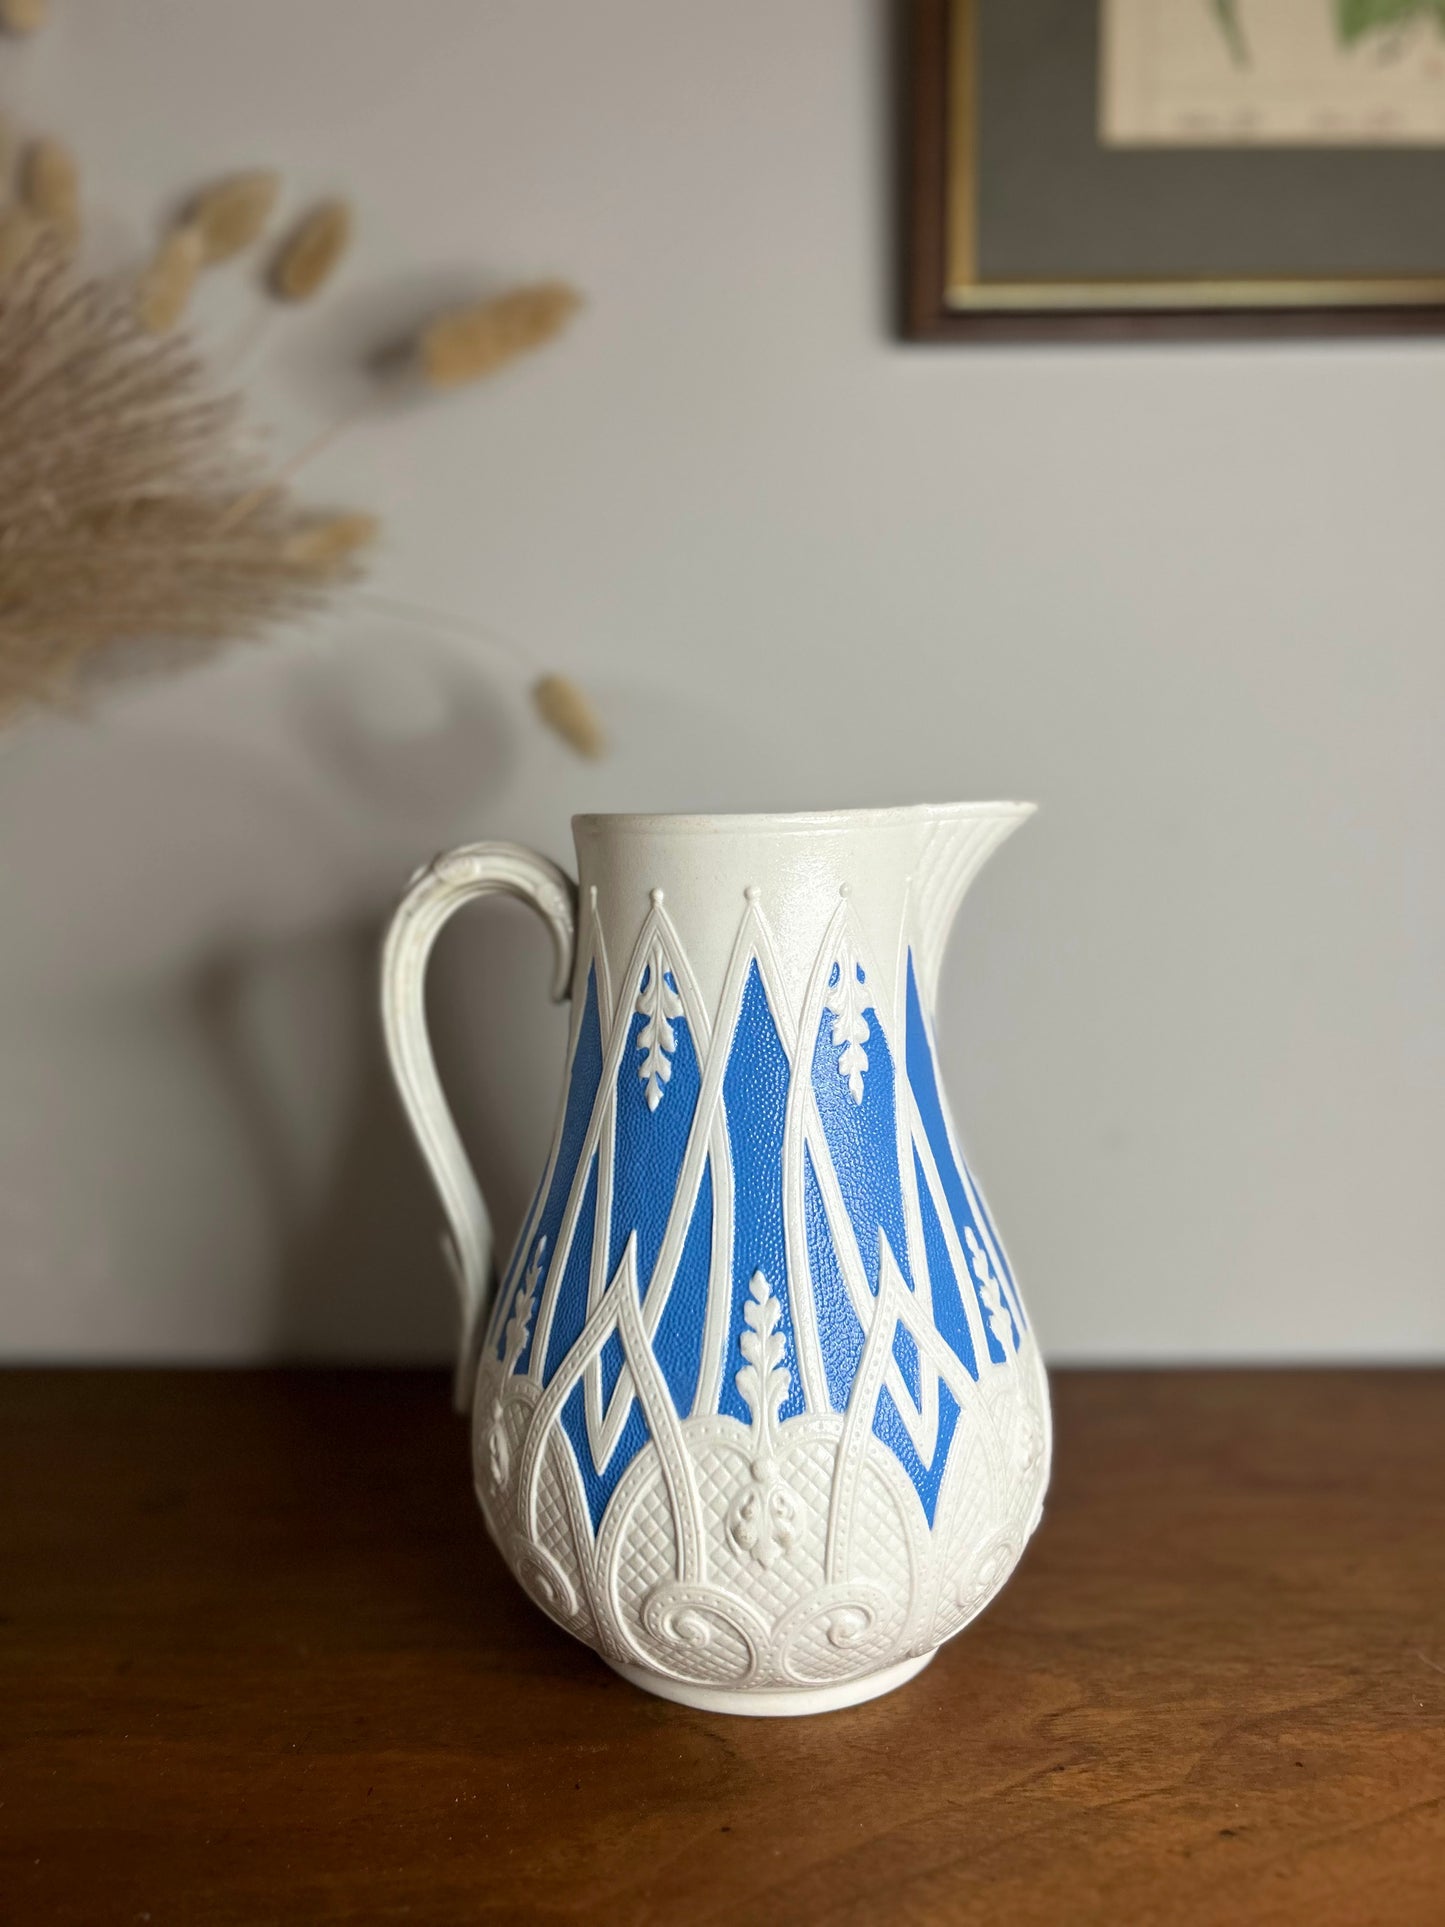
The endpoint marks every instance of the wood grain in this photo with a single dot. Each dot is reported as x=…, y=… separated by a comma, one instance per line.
x=261, y=1665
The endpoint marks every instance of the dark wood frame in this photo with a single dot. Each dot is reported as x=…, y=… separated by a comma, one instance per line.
x=928, y=52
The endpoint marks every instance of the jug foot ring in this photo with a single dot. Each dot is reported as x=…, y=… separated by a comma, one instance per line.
x=778, y=1702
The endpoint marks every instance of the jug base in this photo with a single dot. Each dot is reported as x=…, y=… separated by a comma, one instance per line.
x=784, y=1702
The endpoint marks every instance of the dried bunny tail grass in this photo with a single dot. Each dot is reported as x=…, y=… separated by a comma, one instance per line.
x=164, y=289
x=231, y=214
x=23, y=16
x=116, y=462
x=465, y=344
x=565, y=710
x=310, y=254
x=50, y=187
x=19, y=231
x=460, y=346
x=328, y=540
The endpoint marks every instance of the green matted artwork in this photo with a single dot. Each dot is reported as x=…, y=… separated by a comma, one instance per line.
x=1118, y=168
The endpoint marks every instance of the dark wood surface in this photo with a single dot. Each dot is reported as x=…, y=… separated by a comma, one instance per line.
x=923, y=52
x=260, y=1664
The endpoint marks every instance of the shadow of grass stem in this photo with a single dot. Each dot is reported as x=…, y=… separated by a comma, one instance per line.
x=558, y=701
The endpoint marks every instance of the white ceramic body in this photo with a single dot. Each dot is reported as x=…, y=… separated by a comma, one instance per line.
x=756, y=1409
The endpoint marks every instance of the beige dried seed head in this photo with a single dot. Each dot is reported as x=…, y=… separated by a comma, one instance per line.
x=7, y=154
x=309, y=255
x=118, y=460
x=164, y=289
x=19, y=231
x=465, y=344
x=563, y=708
x=23, y=16
x=231, y=214
x=331, y=539
x=50, y=187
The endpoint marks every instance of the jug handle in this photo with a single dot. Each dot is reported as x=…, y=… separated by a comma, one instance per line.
x=435, y=893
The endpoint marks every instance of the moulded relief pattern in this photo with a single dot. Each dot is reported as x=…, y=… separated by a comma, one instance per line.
x=830, y=1457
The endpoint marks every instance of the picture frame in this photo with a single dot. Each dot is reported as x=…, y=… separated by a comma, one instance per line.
x=1023, y=224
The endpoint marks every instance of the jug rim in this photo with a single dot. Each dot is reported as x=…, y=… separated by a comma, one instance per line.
x=809, y=821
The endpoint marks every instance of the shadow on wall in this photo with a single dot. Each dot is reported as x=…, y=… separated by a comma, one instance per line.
x=199, y=881
x=350, y=1214
x=353, y=1217
x=294, y=1050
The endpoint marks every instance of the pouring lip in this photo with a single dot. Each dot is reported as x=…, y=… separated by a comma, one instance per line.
x=792, y=822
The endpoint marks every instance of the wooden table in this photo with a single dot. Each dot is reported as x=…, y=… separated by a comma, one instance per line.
x=261, y=1665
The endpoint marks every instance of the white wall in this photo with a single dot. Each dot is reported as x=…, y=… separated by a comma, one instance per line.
x=1191, y=600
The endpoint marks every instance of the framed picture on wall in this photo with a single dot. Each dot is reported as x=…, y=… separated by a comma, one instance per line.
x=1119, y=168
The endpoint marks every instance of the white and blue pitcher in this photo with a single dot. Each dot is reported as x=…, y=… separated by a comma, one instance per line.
x=756, y=1409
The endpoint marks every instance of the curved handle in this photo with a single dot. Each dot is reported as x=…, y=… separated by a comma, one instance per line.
x=477, y=870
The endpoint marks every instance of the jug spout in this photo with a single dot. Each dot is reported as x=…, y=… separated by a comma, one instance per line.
x=957, y=844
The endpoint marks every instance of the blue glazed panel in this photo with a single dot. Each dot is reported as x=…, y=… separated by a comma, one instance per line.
x=599, y=1483
x=993, y=1245
x=610, y=1362
x=923, y=1076
x=506, y=1291
x=569, y=1314
x=586, y=1075
x=840, y=1336
x=889, y=1427
x=949, y=1317
x=905, y=1352
x=863, y=1143
x=650, y=1146
x=755, y=1098
x=678, y=1339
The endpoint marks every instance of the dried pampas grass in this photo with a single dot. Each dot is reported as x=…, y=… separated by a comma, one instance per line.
x=115, y=467
x=466, y=344
x=23, y=16
x=233, y=213
x=164, y=290
x=310, y=254
x=132, y=526
x=50, y=187
x=564, y=709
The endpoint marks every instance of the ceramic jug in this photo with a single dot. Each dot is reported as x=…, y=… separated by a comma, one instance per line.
x=756, y=1410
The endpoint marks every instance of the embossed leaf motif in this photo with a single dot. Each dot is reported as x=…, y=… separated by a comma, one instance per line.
x=523, y=1307
x=1000, y=1321
x=850, y=1026
x=764, y=1380
x=657, y=1002
x=765, y=1514
x=498, y=1452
